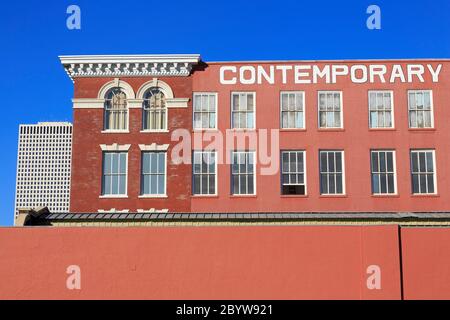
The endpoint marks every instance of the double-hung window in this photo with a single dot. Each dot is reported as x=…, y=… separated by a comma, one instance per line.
x=383, y=171
x=204, y=170
x=381, y=109
x=292, y=110
x=116, y=110
x=293, y=180
x=205, y=111
x=153, y=174
x=423, y=172
x=114, y=177
x=154, y=112
x=243, y=110
x=420, y=108
x=331, y=172
x=243, y=172
x=330, y=109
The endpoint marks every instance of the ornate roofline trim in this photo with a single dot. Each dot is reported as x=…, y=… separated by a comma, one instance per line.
x=165, y=88
x=129, y=65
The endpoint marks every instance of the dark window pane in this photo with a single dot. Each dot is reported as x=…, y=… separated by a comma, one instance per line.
x=323, y=183
x=382, y=162
x=339, y=183
x=430, y=162
x=383, y=180
x=338, y=162
x=430, y=183
x=323, y=162
x=375, y=162
x=415, y=183
x=331, y=183
x=196, y=184
x=375, y=183
x=414, y=163
x=422, y=165
x=390, y=161
x=423, y=183
x=391, y=186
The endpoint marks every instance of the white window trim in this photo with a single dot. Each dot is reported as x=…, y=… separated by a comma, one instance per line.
x=254, y=175
x=216, y=110
x=113, y=210
x=304, y=173
x=150, y=195
x=115, y=147
x=113, y=196
x=431, y=108
x=152, y=210
x=341, y=95
x=281, y=110
x=154, y=147
x=344, y=189
x=392, y=109
x=216, y=175
x=433, y=151
x=254, y=111
x=395, y=172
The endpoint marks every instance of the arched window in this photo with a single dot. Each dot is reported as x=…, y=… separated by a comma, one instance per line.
x=116, y=110
x=154, y=110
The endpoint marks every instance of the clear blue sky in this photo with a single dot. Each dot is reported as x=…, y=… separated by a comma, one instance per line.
x=34, y=86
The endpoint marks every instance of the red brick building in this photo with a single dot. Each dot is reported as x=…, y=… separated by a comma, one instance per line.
x=348, y=136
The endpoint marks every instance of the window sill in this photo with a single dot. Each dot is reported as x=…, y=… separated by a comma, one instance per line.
x=205, y=130
x=115, y=131
x=382, y=129
x=154, y=131
x=333, y=196
x=243, y=196
x=153, y=196
x=393, y=195
x=195, y=196
x=425, y=195
x=294, y=196
x=114, y=196
x=292, y=129
x=422, y=129
x=331, y=129
x=242, y=129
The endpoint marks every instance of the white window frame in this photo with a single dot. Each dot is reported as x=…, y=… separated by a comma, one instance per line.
x=216, y=174
x=431, y=108
x=341, y=94
x=433, y=152
x=107, y=195
x=166, y=120
x=195, y=94
x=281, y=110
x=254, y=174
x=155, y=195
x=394, y=164
x=344, y=192
x=254, y=109
x=304, y=174
x=391, y=92
x=127, y=98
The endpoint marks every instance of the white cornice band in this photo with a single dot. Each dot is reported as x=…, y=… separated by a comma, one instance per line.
x=129, y=65
x=154, y=147
x=153, y=210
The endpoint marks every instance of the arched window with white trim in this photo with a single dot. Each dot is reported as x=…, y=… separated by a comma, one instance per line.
x=116, y=110
x=154, y=110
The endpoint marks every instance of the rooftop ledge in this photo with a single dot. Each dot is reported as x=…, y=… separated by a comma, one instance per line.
x=129, y=65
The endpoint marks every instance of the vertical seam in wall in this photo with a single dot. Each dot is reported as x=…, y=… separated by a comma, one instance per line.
x=400, y=253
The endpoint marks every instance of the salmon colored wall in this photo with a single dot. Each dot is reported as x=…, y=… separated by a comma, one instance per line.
x=87, y=155
x=273, y=262
x=355, y=139
x=426, y=261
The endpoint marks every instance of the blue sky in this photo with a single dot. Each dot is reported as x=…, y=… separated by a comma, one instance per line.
x=34, y=86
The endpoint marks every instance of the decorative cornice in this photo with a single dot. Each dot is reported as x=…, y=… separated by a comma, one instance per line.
x=129, y=65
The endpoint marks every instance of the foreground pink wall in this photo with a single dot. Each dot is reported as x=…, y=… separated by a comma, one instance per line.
x=272, y=262
x=426, y=263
